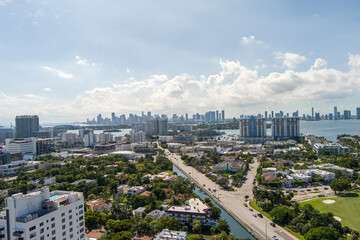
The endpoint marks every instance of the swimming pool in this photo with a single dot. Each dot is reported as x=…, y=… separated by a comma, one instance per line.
x=54, y=196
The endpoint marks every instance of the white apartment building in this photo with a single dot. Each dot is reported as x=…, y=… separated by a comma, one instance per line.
x=306, y=174
x=43, y=215
x=166, y=139
x=197, y=209
x=285, y=127
x=137, y=137
x=89, y=140
x=13, y=167
x=167, y=234
x=25, y=146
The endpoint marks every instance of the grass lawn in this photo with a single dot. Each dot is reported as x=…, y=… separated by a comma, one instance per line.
x=347, y=207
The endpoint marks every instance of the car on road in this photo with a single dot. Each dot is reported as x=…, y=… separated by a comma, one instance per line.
x=251, y=209
x=294, y=190
x=275, y=237
x=326, y=188
x=309, y=190
x=302, y=191
x=272, y=224
x=246, y=196
x=260, y=215
x=204, y=185
x=254, y=215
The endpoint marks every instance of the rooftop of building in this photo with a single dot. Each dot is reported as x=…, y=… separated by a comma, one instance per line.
x=196, y=206
x=169, y=234
x=43, y=201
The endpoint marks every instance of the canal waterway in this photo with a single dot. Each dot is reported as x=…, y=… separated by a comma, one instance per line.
x=235, y=227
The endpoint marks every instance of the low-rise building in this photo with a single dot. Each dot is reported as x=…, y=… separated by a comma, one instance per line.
x=332, y=148
x=127, y=154
x=25, y=146
x=167, y=234
x=139, y=211
x=98, y=205
x=102, y=149
x=332, y=167
x=288, y=181
x=87, y=181
x=14, y=167
x=156, y=214
x=229, y=166
x=307, y=174
x=196, y=209
x=135, y=190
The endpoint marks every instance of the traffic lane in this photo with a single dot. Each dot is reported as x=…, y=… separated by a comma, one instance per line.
x=254, y=223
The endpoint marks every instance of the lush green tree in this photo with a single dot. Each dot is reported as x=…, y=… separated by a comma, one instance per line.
x=225, y=236
x=196, y=226
x=173, y=224
x=322, y=233
x=357, y=182
x=94, y=219
x=125, y=235
x=282, y=215
x=215, y=212
x=182, y=186
x=222, y=226
x=339, y=185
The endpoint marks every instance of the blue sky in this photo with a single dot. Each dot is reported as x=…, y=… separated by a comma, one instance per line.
x=69, y=60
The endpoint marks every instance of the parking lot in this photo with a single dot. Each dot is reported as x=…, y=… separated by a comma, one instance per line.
x=304, y=193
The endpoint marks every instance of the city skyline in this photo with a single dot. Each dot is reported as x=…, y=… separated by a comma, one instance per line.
x=173, y=57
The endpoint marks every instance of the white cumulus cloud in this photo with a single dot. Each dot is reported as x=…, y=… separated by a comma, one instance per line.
x=234, y=88
x=250, y=40
x=289, y=60
x=58, y=72
x=47, y=89
x=319, y=64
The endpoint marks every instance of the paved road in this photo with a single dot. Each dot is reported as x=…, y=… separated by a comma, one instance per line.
x=233, y=201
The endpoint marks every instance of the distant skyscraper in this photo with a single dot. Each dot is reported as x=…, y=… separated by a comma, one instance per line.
x=358, y=113
x=217, y=115
x=162, y=126
x=149, y=115
x=312, y=114
x=295, y=114
x=347, y=114
x=186, y=117
x=335, y=113
x=113, y=117
x=223, y=115
x=252, y=127
x=99, y=119
x=266, y=115
x=272, y=114
x=26, y=125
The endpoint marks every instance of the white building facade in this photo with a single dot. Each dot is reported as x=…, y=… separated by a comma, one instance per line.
x=25, y=146
x=42, y=215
